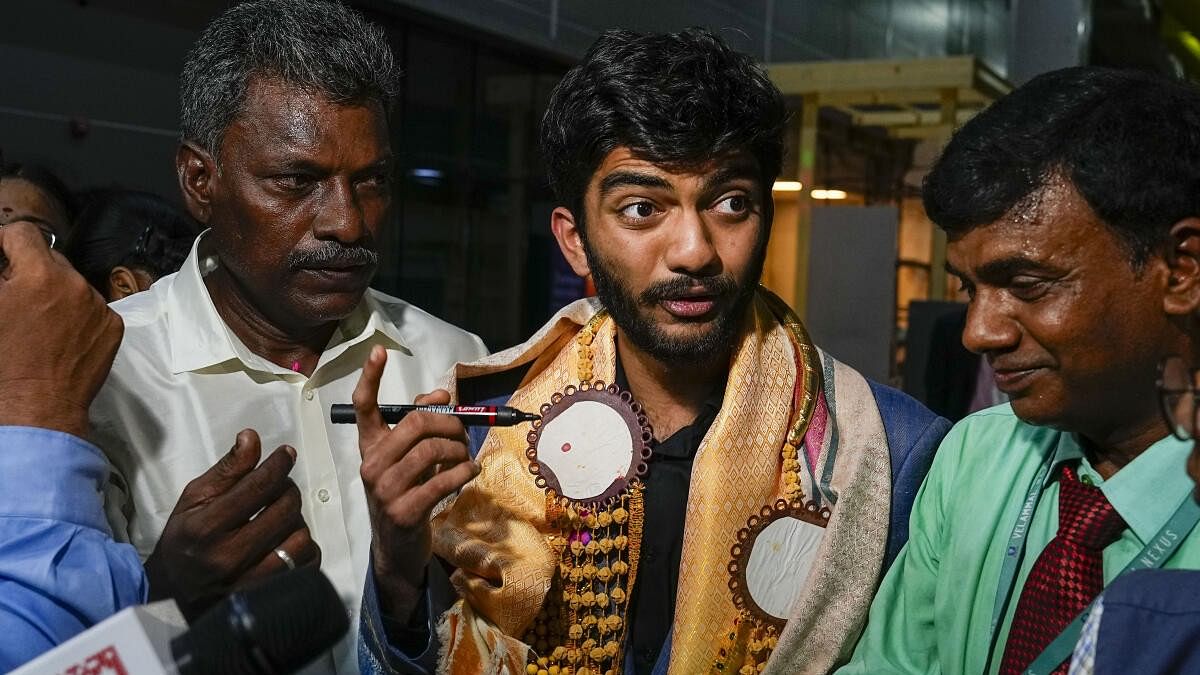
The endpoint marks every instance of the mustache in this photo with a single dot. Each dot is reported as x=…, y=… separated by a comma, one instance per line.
x=330, y=252
x=677, y=287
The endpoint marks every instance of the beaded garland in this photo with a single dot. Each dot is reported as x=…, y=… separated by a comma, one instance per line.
x=581, y=627
x=747, y=647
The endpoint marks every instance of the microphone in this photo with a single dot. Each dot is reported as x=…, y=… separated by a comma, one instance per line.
x=275, y=627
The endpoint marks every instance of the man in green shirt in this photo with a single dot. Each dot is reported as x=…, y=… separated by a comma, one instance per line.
x=1072, y=208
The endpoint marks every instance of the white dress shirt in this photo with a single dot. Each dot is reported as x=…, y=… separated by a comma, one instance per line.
x=183, y=385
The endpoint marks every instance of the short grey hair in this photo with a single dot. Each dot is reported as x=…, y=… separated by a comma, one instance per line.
x=320, y=46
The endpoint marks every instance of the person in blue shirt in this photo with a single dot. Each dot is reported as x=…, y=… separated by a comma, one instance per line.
x=60, y=569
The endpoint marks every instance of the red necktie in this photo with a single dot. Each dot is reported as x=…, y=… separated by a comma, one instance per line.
x=1067, y=575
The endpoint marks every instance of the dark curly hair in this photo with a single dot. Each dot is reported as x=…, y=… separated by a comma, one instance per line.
x=1128, y=141
x=134, y=229
x=677, y=99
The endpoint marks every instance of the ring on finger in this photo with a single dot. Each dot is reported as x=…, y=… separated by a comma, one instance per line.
x=286, y=558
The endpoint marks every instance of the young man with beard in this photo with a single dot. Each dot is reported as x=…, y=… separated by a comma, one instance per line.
x=662, y=150
x=1072, y=208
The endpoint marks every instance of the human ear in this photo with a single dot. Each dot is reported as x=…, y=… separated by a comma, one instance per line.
x=570, y=240
x=122, y=282
x=196, y=171
x=1182, y=295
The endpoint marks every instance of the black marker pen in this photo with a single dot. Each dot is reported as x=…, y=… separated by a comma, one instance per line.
x=470, y=415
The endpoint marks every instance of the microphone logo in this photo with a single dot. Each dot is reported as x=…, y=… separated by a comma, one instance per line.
x=104, y=662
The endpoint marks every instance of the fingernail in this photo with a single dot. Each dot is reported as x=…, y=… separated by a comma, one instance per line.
x=291, y=451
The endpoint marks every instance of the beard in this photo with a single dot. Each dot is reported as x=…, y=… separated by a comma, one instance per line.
x=631, y=310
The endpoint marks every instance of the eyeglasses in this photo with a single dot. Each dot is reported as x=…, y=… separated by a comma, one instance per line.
x=1177, y=398
x=49, y=236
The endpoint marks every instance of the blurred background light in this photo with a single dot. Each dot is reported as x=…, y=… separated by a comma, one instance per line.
x=819, y=193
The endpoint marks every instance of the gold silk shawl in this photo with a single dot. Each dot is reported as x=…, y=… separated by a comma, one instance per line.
x=496, y=534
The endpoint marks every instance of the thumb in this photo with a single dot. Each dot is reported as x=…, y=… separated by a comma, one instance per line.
x=239, y=461
x=222, y=476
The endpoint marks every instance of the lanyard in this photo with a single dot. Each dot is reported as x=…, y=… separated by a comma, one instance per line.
x=1016, y=546
x=1161, y=546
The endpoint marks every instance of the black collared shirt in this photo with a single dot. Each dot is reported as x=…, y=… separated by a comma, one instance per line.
x=652, y=605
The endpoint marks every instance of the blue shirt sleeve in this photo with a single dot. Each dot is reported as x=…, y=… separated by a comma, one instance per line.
x=60, y=569
x=378, y=655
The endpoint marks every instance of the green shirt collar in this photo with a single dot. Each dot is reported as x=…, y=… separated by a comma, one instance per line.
x=1146, y=491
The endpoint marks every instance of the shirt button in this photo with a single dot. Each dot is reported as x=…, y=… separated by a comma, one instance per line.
x=323, y=495
x=308, y=394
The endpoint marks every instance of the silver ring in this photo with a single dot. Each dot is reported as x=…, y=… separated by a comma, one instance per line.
x=287, y=559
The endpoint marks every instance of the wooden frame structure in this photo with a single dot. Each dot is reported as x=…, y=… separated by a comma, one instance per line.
x=919, y=98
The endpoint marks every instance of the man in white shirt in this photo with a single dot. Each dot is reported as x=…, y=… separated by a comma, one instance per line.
x=285, y=158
